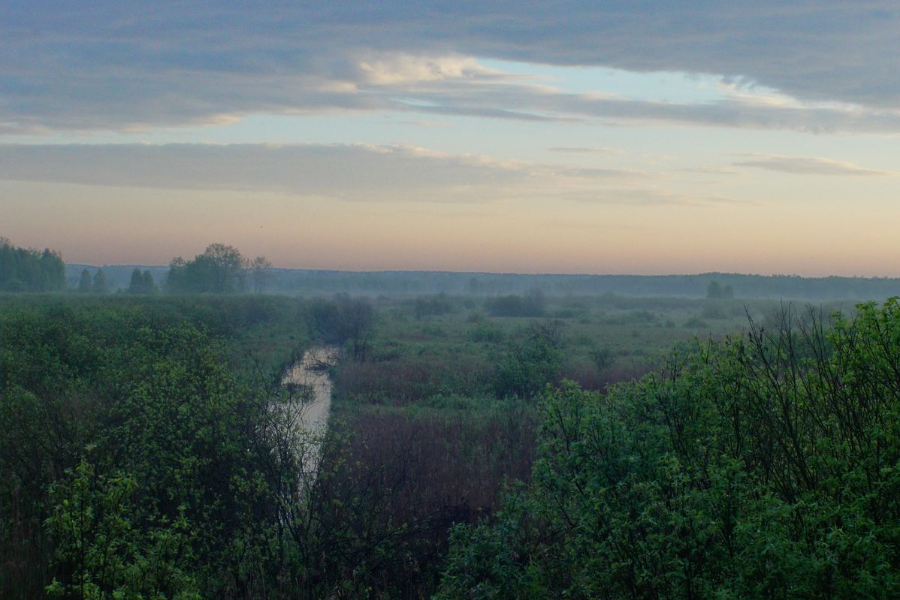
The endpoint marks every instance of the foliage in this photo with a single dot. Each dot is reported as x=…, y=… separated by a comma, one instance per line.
x=343, y=321
x=219, y=270
x=533, y=304
x=133, y=463
x=764, y=466
x=99, y=284
x=149, y=449
x=526, y=366
x=430, y=306
x=142, y=283
x=715, y=290
x=25, y=270
x=260, y=270
x=110, y=558
x=602, y=358
x=85, y=283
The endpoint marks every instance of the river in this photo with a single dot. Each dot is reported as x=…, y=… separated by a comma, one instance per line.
x=310, y=415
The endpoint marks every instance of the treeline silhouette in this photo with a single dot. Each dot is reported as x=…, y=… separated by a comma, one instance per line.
x=223, y=269
x=28, y=270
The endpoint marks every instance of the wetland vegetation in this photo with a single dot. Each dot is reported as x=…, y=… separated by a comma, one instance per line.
x=477, y=446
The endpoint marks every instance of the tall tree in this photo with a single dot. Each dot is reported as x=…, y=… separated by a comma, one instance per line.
x=714, y=290
x=149, y=283
x=259, y=269
x=219, y=270
x=99, y=285
x=136, y=286
x=85, y=284
x=27, y=270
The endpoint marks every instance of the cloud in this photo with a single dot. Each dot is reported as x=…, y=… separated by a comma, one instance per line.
x=798, y=165
x=120, y=66
x=396, y=68
x=351, y=172
x=580, y=150
x=652, y=197
x=712, y=170
x=740, y=111
x=427, y=124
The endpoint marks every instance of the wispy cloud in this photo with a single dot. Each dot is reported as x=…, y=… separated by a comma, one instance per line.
x=712, y=170
x=652, y=197
x=583, y=150
x=351, y=172
x=429, y=124
x=800, y=165
x=124, y=66
x=400, y=68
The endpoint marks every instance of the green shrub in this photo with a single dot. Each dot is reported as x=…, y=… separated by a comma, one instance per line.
x=764, y=466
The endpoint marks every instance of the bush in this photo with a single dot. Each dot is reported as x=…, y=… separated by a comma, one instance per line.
x=127, y=440
x=431, y=306
x=760, y=467
x=526, y=366
x=532, y=304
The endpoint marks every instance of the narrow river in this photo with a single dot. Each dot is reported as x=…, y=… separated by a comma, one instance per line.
x=311, y=415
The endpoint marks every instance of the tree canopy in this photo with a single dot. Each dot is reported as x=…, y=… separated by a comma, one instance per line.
x=28, y=270
x=761, y=467
x=220, y=269
x=142, y=283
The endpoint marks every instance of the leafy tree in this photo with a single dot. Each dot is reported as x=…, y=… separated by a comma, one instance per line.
x=99, y=284
x=714, y=290
x=136, y=285
x=427, y=306
x=25, y=270
x=602, y=358
x=259, y=268
x=532, y=304
x=219, y=270
x=85, y=283
x=149, y=285
x=133, y=463
x=760, y=467
x=526, y=366
x=141, y=283
x=344, y=321
x=93, y=523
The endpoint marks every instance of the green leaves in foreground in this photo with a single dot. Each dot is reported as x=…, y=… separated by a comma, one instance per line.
x=108, y=556
x=762, y=467
x=133, y=465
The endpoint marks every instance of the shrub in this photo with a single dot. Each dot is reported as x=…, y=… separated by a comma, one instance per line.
x=763, y=466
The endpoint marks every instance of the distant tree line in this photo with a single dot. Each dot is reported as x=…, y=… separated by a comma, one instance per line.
x=28, y=270
x=492, y=285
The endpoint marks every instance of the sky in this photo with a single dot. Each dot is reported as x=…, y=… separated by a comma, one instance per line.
x=577, y=136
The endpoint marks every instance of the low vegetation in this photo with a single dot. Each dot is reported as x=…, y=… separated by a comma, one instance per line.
x=594, y=446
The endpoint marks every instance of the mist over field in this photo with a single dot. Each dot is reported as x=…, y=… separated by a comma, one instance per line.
x=449, y=300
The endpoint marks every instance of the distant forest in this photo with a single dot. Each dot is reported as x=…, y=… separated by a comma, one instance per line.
x=222, y=269
x=414, y=283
